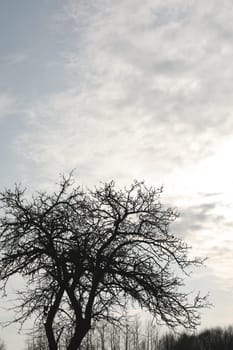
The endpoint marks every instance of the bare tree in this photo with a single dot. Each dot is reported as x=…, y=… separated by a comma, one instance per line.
x=37, y=341
x=167, y=342
x=2, y=345
x=82, y=253
x=115, y=338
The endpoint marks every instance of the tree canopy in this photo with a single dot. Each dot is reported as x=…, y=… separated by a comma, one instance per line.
x=82, y=253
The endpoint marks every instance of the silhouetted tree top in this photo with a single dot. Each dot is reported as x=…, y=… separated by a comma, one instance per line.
x=82, y=252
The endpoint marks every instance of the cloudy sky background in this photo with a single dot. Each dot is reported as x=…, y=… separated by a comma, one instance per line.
x=127, y=90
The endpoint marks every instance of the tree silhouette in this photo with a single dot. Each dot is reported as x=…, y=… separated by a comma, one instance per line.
x=83, y=253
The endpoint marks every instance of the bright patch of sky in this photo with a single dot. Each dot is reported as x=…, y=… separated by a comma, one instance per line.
x=123, y=90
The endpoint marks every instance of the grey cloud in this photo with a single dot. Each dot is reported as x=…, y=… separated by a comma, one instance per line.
x=193, y=219
x=221, y=251
x=146, y=85
x=14, y=58
x=209, y=234
x=7, y=104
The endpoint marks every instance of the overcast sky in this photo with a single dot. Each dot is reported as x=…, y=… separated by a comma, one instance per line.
x=125, y=90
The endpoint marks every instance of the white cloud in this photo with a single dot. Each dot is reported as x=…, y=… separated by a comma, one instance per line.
x=150, y=98
x=146, y=71
x=6, y=105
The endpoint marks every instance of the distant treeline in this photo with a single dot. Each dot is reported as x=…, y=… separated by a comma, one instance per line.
x=136, y=335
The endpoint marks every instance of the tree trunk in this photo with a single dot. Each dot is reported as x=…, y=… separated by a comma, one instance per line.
x=50, y=318
x=50, y=336
x=77, y=338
